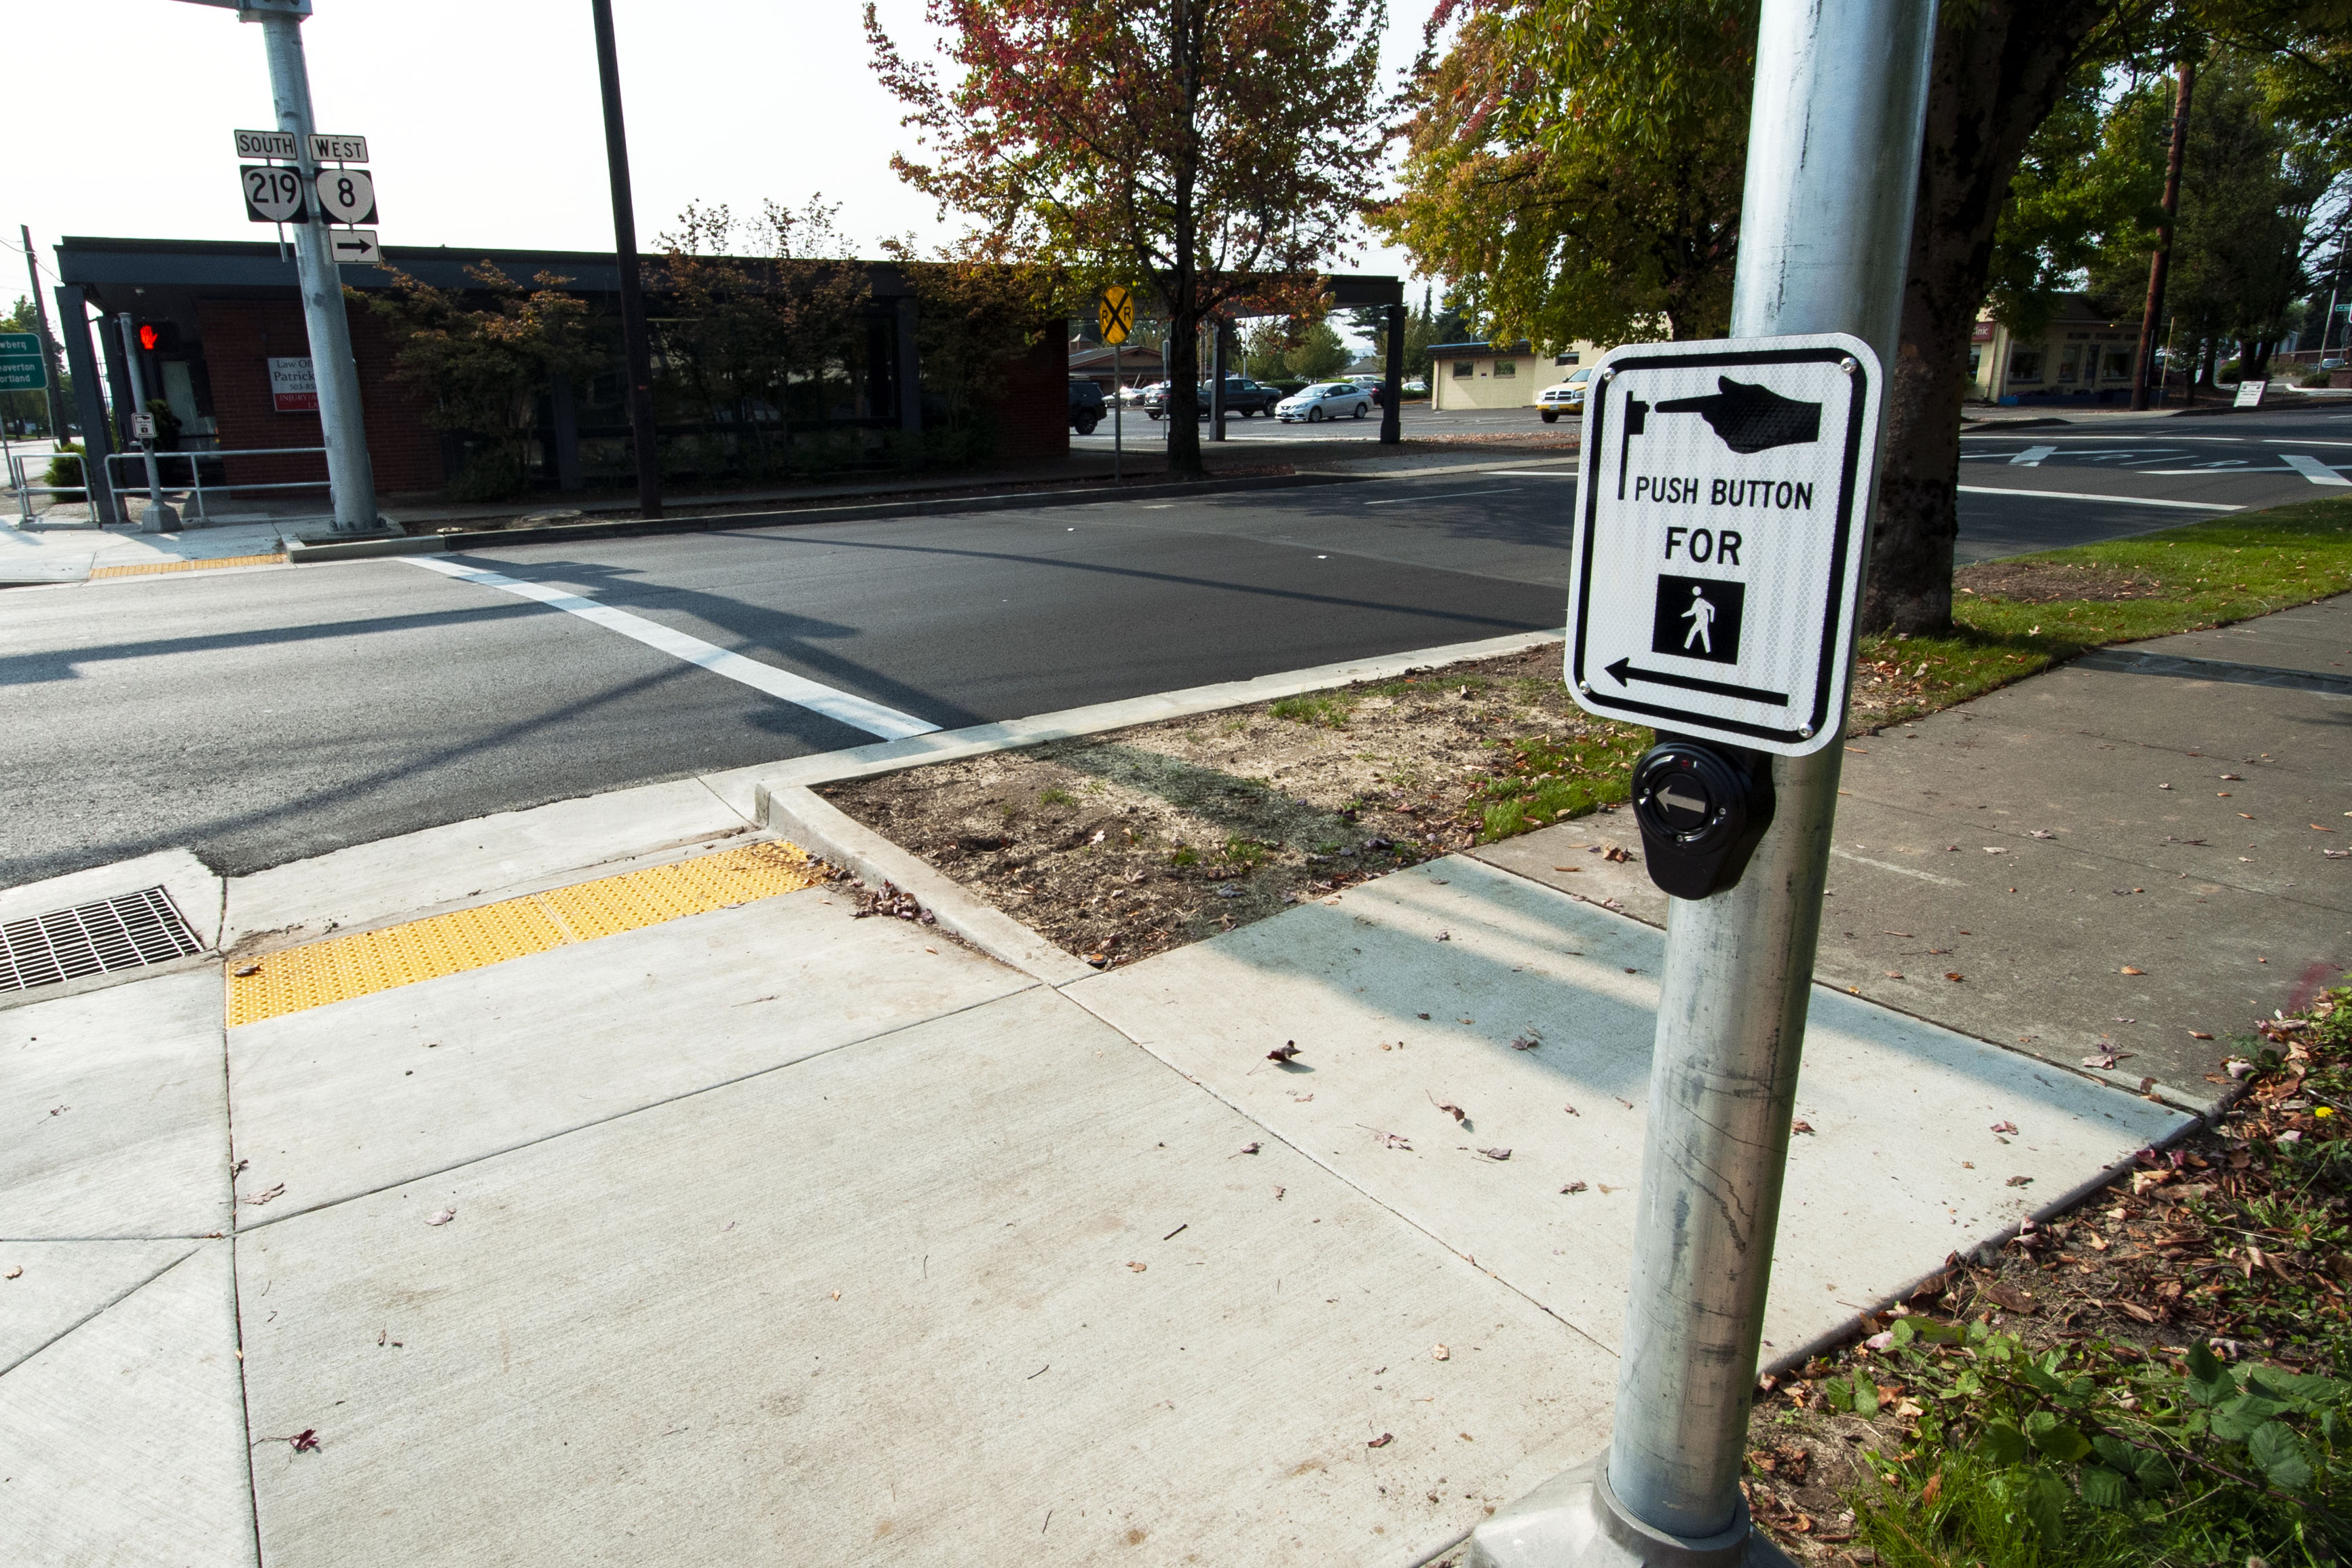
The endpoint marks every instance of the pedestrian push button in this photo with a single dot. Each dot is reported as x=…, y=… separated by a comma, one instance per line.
x=1701, y=808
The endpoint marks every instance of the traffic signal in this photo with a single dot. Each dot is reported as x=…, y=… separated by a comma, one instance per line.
x=159, y=336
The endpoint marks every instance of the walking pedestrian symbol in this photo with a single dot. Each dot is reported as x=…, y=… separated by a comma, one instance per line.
x=1698, y=618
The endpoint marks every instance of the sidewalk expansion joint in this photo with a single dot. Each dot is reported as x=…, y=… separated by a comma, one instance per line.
x=336, y=969
x=2126, y=662
x=98, y=1311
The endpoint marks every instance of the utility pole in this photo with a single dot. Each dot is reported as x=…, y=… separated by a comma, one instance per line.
x=48, y=342
x=2159, y=265
x=351, y=476
x=1833, y=177
x=160, y=518
x=634, y=340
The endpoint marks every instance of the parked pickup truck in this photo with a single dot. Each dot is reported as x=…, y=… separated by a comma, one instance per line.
x=1243, y=396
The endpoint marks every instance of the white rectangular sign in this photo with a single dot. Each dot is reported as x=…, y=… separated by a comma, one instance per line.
x=2250, y=393
x=324, y=148
x=1718, y=562
x=355, y=246
x=293, y=389
x=265, y=145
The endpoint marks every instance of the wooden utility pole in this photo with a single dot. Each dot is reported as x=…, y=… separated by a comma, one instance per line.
x=2160, y=264
x=638, y=351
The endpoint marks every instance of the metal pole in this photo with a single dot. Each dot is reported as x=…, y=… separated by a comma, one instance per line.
x=160, y=517
x=2159, y=264
x=1393, y=381
x=351, y=474
x=50, y=343
x=1118, y=385
x=635, y=343
x=81, y=353
x=1826, y=226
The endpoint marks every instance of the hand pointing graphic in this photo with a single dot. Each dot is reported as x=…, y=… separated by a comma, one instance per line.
x=1752, y=418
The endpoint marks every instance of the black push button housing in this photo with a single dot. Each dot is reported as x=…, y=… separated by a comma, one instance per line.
x=1702, y=808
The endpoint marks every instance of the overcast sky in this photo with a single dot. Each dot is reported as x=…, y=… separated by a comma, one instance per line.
x=481, y=116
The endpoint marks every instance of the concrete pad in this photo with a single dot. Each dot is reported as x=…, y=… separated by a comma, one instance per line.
x=195, y=890
x=878, y=1308
x=49, y=1288
x=124, y=1442
x=483, y=861
x=2315, y=639
x=358, y=1094
x=118, y=1114
x=1901, y=1168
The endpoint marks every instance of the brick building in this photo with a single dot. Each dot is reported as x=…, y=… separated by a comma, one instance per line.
x=219, y=338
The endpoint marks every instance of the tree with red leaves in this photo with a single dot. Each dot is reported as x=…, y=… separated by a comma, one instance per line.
x=1192, y=147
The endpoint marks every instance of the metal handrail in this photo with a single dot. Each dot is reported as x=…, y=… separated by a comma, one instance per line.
x=196, y=486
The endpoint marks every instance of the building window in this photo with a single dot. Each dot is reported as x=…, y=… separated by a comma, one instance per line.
x=2025, y=364
x=1976, y=361
x=2119, y=364
x=1571, y=357
x=1465, y=369
x=2069, y=362
x=1505, y=367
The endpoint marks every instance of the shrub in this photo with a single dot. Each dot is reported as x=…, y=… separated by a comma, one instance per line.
x=492, y=474
x=65, y=472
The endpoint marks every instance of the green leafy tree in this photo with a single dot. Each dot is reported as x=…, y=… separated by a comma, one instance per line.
x=1573, y=170
x=1186, y=146
x=1321, y=352
x=482, y=358
x=977, y=311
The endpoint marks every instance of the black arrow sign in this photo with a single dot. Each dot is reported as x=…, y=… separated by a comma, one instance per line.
x=1626, y=675
x=1752, y=418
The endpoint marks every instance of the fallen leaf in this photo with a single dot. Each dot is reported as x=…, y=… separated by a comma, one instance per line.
x=2041, y=833
x=2133, y=1310
x=1139, y=1268
x=1805, y=1126
x=2007, y=1296
x=441, y=1216
x=14, y=1273
x=1990, y=850
x=2198, y=1034
x=1382, y=1441
x=2128, y=969
x=1439, y=1352
x=2018, y=1181
x=1614, y=853
x=1495, y=1153
x=1953, y=975
x=1894, y=974
x=2004, y=1126
x=1455, y=1111
x=1421, y=1016
x=1571, y=1187
x=1932, y=1490
x=1526, y=1042
x=306, y=1440
x=1283, y=1052
x=244, y=970
x=1249, y=1147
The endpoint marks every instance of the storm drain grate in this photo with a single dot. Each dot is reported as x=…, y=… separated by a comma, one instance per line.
x=127, y=932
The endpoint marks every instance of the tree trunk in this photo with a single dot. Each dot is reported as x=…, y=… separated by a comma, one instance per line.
x=1183, y=381
x=1998, y=71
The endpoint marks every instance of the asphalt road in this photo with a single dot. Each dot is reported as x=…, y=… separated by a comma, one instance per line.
x=265, y=715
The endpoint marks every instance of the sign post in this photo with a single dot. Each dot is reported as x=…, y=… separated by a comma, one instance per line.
x=1115, y=314
x=301, y=193
x=1747, y=806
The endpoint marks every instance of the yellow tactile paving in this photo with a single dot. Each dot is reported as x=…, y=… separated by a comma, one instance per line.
x=144, y=568
x=342, y=967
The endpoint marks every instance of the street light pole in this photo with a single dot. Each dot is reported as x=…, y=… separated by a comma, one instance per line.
x=639, y=351
x=1825, y=227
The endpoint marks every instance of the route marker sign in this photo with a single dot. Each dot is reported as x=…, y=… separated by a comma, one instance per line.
x=23, y=366
x=1717, y=569
x=272, y=194
x=324, y=148
x=347, y=196
x=266, y=144
x=1115, y=313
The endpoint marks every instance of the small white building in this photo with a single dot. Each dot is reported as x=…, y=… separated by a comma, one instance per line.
x=2081, y=357
x=1495, y=375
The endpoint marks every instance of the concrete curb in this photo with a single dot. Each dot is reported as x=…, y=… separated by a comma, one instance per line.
x=948, y=745
x=630, y=528
x=816, y=825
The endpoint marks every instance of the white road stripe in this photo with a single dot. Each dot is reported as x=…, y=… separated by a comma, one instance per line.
x=1450, y=495
x=2032, y=457
x=1533, y=473
x=854, y=711
x=2312, y=468
x=2077, y=495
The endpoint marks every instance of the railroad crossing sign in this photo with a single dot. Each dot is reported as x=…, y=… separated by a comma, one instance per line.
x=1116, y=313
x=23, y=366
x=347, y=196
x=273, y=195
x=1717, y=563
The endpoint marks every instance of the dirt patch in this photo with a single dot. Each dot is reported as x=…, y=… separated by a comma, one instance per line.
x=1125, y=845
x=2048, y=582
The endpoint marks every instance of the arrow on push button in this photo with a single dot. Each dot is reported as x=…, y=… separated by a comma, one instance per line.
x=1626, y=675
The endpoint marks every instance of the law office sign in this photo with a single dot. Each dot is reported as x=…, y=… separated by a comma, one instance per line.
x=293, y=387
x=1721, y=527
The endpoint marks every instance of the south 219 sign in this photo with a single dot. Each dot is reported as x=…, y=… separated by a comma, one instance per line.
x=1719, y=544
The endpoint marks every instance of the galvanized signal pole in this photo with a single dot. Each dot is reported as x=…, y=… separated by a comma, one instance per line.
x=351, y=474
x=1825, y=227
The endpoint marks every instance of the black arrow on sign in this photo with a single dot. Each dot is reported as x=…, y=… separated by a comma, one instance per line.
x=1626, y=675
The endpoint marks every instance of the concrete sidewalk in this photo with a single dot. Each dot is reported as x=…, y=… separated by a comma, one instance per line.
x=763, y=1231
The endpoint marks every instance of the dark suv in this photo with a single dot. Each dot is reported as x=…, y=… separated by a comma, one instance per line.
x=1086, y=406
x=1243, y=396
